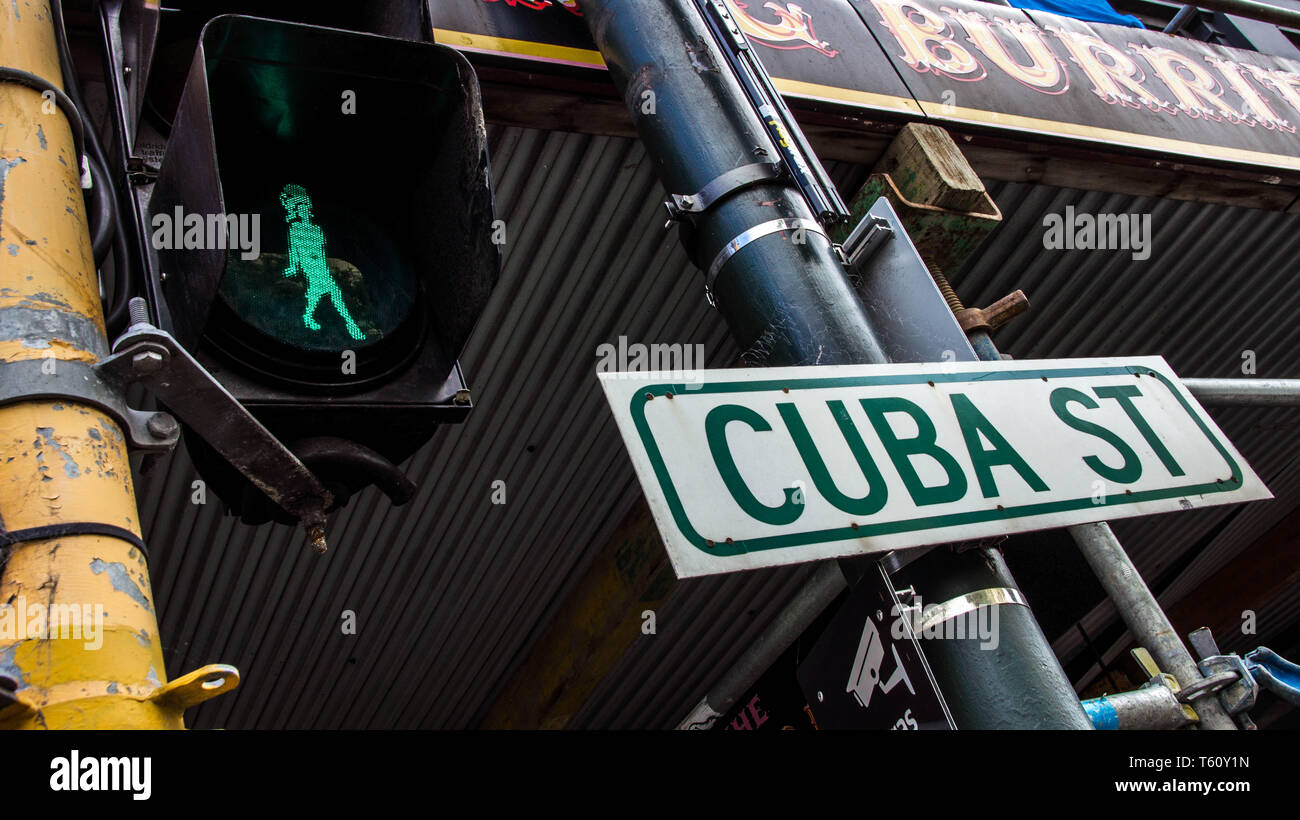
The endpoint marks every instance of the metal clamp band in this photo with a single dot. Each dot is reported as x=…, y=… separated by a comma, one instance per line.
x=723, y=185
x=757, y=232
x=971, y=601
x=79, y=382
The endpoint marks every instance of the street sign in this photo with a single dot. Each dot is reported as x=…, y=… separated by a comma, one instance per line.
x=750, y=468
x=867, y=670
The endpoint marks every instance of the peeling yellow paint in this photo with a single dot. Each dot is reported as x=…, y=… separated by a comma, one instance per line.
x=64, y=462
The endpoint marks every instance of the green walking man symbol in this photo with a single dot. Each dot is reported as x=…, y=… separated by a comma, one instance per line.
x=307, y=256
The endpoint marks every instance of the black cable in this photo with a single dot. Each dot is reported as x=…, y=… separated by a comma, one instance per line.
x=62, y=100
x=100, y=211
x=115, y=315
x=123, y=269
x=8, y=538
x=100, y=206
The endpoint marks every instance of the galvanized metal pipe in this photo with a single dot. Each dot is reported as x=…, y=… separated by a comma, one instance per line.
x=1143, y=615
x=1263, y=12
x=1180, y=19
x=819, y=591
x=1228, y=392
x=1150, y=707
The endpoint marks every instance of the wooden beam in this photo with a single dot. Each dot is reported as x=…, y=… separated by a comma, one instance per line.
x=928, y=168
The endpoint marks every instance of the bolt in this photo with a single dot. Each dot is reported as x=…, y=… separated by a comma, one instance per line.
x=162, y=425
x=139, y=309
x=151, y=361
x=462, y=396
x=949, y=295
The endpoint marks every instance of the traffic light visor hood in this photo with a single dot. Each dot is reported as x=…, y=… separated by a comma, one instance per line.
x=347, y=176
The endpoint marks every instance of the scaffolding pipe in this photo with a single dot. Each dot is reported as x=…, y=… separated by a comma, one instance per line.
x=1263, y=12
x=1142, y=614
x=1233, y=392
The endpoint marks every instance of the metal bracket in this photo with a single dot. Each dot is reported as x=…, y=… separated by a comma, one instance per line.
x=1148, y=665
x=197, y=686
x=724, y=185
x=757, y=232
x=867, y=236
x=155, y=359
x=1239, y=693
x=140, y=172
x=82, y=383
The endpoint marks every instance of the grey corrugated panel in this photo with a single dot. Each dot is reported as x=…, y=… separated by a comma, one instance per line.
x=447, y=610
x=575, y=392
x=1271, y=622
x=702, y=628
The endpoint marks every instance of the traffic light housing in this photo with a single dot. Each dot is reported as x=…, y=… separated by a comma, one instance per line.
x=322, y=222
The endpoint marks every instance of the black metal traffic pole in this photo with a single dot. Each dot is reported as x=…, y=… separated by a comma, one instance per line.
x=788, y=301
x=784, y=295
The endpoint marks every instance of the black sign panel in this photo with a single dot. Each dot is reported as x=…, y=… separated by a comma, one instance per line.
x=973, y=62
x=867, y=671
x=816, y=49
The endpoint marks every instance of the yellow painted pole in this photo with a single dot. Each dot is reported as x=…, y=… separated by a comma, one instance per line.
x=79, y=643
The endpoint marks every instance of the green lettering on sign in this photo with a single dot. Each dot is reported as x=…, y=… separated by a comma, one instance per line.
x=973, y=424
x=1124, y=395
x=924, y=444
x=715, y=428
x=1126, y=473
x=877, y=492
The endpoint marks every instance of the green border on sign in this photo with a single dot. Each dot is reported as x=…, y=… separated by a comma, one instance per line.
x=720, y=548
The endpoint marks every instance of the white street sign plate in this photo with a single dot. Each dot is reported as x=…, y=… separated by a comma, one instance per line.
x=751, y=468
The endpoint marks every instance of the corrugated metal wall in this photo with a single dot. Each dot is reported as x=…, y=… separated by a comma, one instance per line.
x=450, y=591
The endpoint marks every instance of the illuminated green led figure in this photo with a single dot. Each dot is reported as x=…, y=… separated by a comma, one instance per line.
x=307, y=256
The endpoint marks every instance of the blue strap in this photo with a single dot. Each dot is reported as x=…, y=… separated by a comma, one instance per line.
x=1275, y=673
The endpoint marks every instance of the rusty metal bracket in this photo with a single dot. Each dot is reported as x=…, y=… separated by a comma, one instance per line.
x=995, y=315
x=152, y=357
